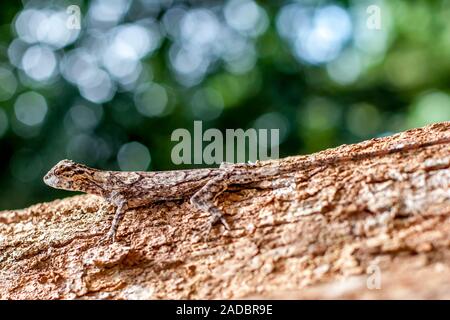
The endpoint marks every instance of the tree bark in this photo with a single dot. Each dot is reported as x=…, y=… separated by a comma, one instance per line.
x=368, y=228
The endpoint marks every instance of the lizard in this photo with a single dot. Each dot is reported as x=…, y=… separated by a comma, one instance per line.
x=132, y=189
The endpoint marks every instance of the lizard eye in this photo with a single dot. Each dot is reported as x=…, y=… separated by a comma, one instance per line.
x=63, y=174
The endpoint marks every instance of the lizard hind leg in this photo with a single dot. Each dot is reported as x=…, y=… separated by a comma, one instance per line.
x=204, y=199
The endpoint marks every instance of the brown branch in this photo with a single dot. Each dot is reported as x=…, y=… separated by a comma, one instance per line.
x=315, y=236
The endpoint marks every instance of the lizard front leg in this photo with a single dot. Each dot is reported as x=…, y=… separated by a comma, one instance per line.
x=121, y=208
x=204, y=199
x=118, y=216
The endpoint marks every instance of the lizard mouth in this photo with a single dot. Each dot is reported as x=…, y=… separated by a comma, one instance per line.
x=51, y=180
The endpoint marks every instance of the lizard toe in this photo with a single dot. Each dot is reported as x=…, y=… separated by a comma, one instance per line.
x=107, y=239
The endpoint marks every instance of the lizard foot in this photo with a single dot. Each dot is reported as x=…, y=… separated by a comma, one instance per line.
x=215, y=218
x=108, y=238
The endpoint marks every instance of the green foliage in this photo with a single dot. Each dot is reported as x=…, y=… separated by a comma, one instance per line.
x=294, y=68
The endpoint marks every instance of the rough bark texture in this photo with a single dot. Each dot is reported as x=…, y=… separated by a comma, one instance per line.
x=332, y=231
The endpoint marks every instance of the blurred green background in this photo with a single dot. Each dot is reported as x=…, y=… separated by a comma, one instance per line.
x=110, y=93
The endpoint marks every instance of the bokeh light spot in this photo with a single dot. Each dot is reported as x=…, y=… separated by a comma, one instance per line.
x=87, y=148
x=86, y=117
x=27, y=23
x=246, y=17
x=30, y=108
x=363, y=119
x=8, y=84
x=207, y=104
x=97, y=86
x=39, y=62
x=199, y=27
x=108, y=10
x=151, y=100
x=133, y=156
x=346, y=68
x=273, y=120
x=317, y=36
x=429, y=108
x=320, y=114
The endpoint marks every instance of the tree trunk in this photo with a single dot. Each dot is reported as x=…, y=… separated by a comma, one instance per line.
x=368, y=228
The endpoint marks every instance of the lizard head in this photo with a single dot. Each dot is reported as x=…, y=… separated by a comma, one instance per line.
x=69, y=175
